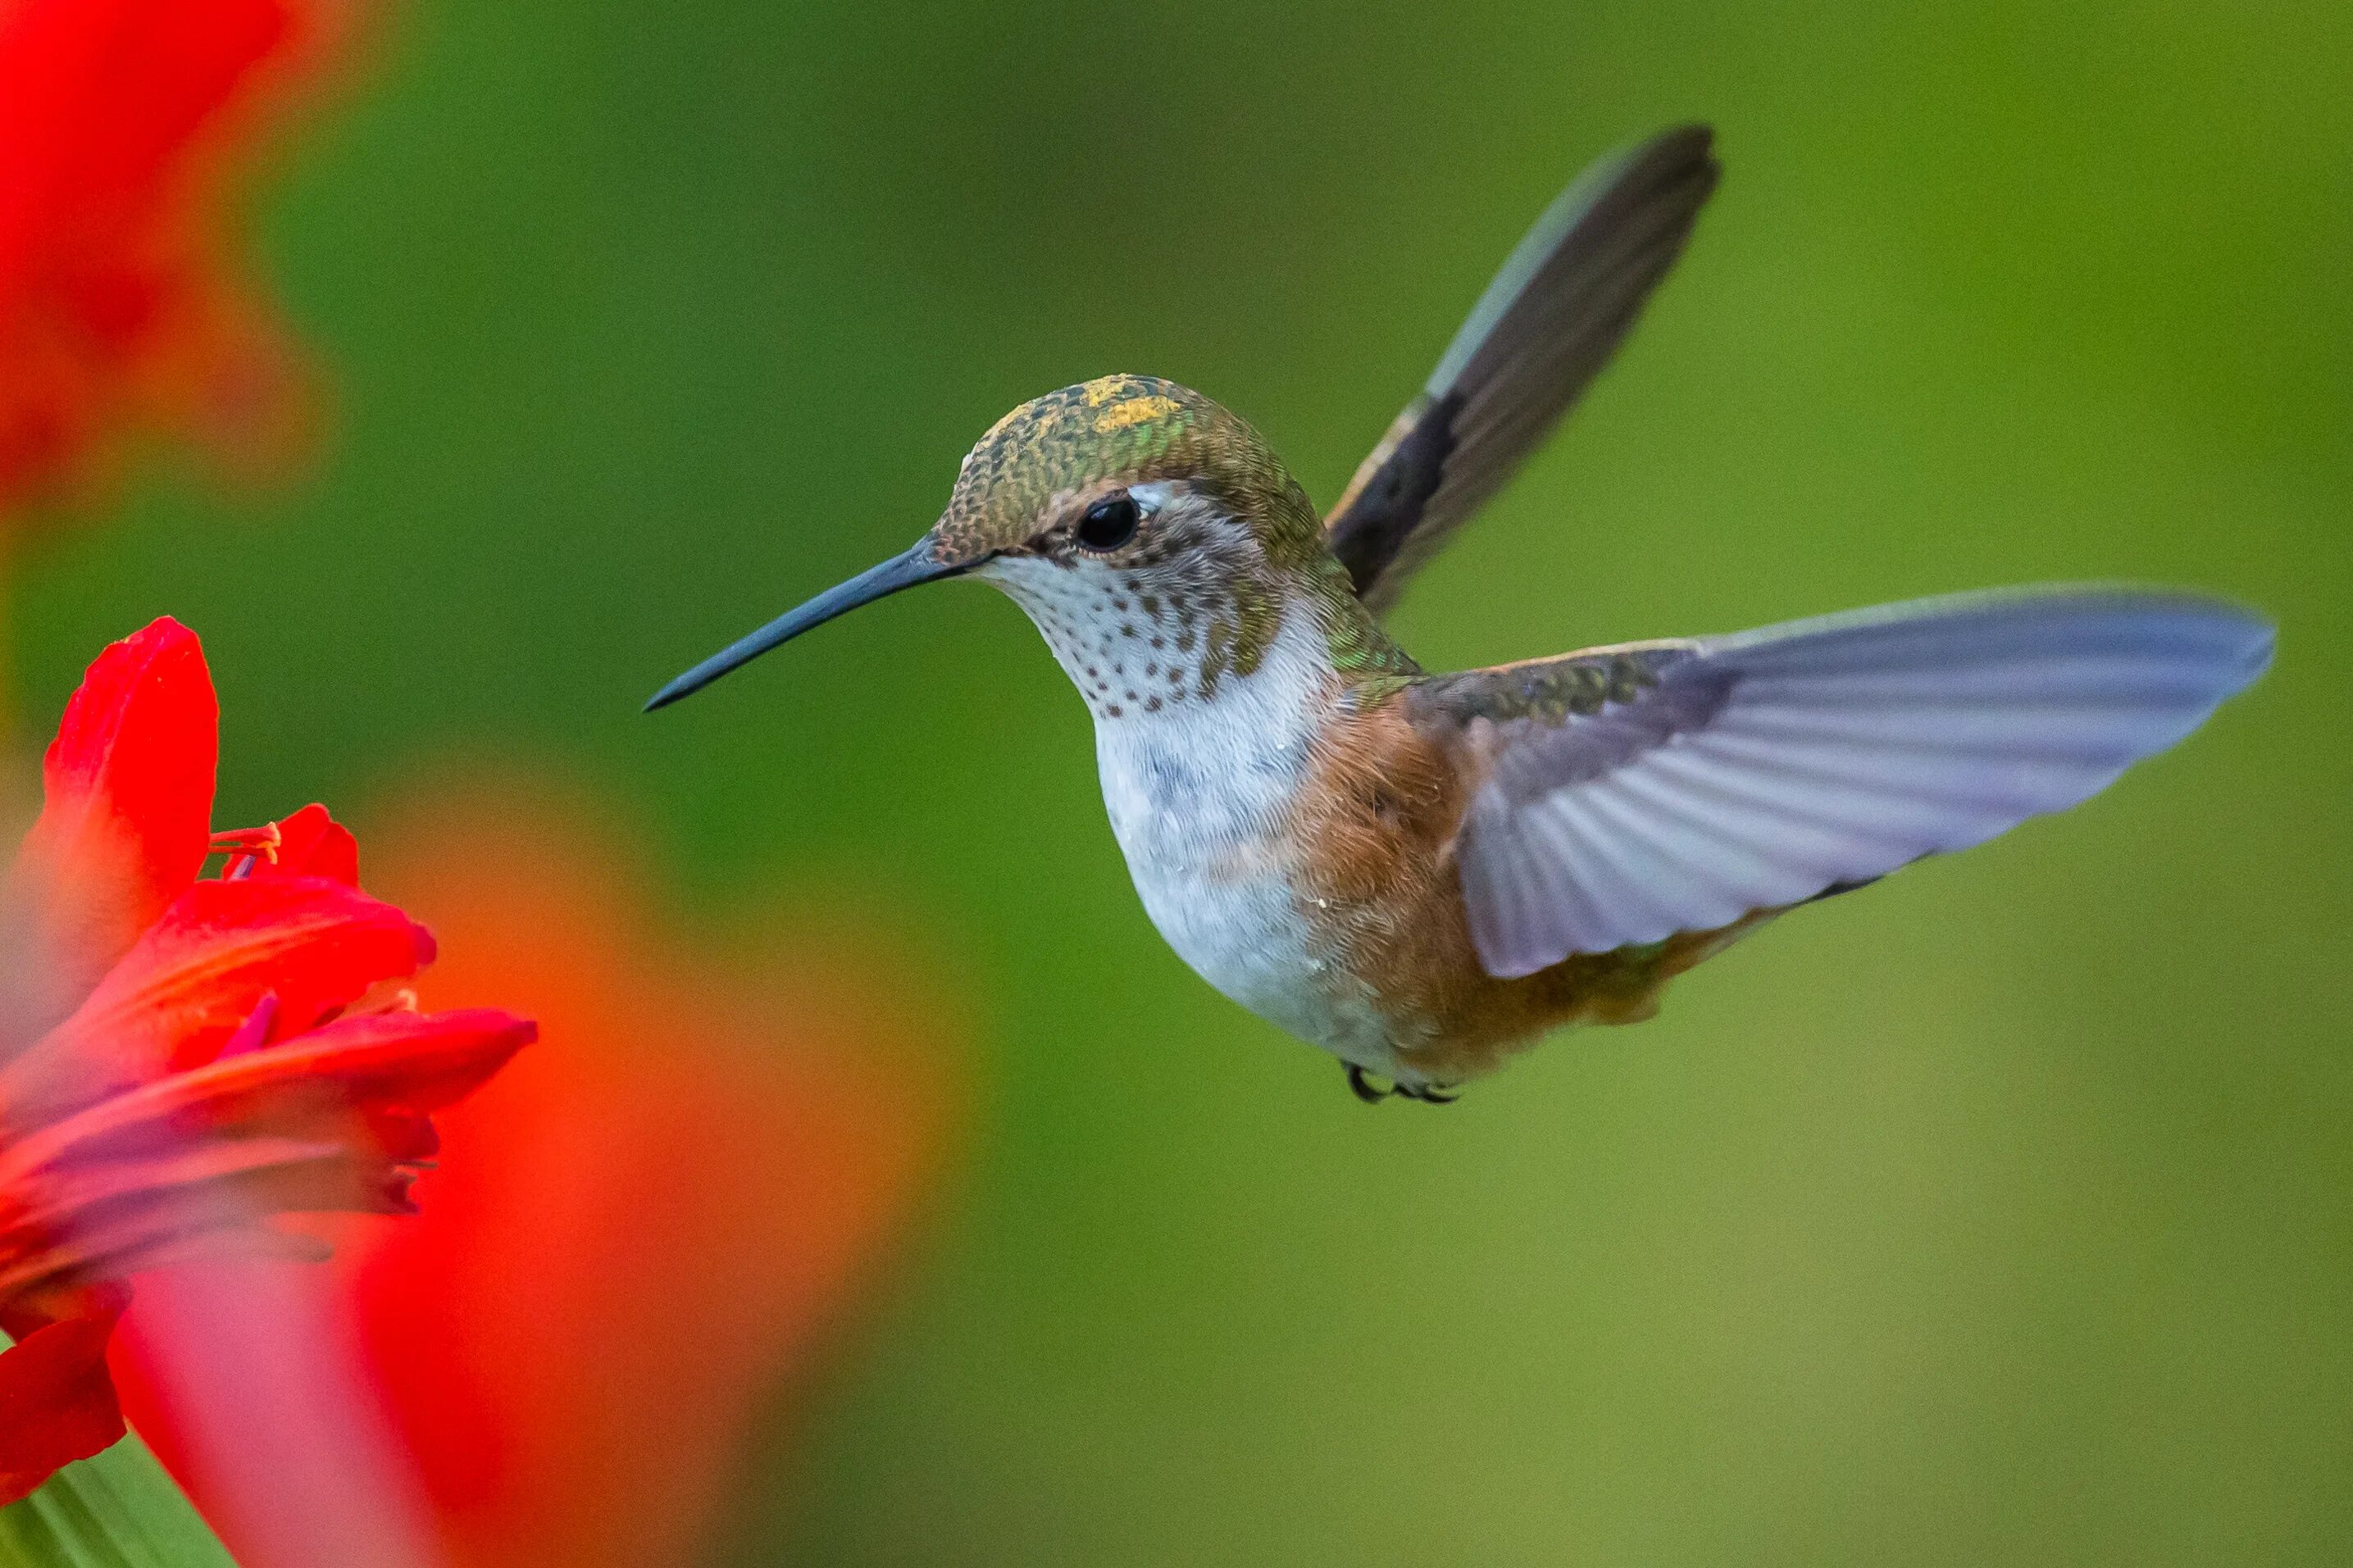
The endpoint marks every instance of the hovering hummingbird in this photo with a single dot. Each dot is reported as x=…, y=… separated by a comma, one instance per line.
x=1423, y=872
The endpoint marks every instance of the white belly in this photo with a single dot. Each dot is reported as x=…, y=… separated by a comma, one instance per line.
x=1196, y=795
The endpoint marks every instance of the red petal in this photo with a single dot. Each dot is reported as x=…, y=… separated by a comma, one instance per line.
x=325, y=1122
x=110, y=297
x=634, y=1234
x=99, y=100
x=126, y=820
x=56, y=1403
x=169, y=67
x=104, y=1219
x=408, y=1063
x=179, y=996
x=334, y=1080
x=310, y=843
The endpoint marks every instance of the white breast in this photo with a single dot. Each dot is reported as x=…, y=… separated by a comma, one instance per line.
x=1198, y=794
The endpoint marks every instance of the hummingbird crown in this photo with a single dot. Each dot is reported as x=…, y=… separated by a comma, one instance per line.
x=1104, y=434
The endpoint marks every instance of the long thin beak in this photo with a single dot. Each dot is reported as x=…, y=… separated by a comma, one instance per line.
x=903, y=571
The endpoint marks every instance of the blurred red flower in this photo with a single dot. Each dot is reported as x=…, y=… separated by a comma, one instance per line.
x=639, y=1229
x=182, y=1059
x=119, y=304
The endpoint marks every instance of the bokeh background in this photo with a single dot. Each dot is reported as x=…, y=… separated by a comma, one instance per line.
x=2001, y=1214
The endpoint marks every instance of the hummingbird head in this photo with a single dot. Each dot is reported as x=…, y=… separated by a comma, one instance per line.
x=1152, y=536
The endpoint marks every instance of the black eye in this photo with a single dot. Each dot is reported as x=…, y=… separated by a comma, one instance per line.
x=1109, y=523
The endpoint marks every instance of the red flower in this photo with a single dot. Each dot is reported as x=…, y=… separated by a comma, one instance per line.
x=640, y=1233
x=182, y=1059
x=116, y=304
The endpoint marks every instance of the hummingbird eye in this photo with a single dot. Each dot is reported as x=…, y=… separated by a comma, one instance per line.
x=1109, y=523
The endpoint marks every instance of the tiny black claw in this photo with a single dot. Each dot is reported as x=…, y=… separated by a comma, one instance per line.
x=1360, y=1084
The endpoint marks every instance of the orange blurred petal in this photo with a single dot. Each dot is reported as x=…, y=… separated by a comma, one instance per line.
x=645, y=1221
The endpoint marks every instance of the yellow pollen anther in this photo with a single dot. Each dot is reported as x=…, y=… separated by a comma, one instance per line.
x=262, y=841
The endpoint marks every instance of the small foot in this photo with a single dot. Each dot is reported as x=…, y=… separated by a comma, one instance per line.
x=1360, y=1084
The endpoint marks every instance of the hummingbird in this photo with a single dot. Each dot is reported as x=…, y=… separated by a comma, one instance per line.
x=1423, y=872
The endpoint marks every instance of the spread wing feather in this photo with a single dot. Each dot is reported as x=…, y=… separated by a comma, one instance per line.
x=1538, y=336
x=1629, y=794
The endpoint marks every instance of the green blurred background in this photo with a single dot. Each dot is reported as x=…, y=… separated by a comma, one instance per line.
x=2001, y=1214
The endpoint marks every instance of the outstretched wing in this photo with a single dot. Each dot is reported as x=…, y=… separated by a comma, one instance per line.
x=1629, y=794
x=1544, y=329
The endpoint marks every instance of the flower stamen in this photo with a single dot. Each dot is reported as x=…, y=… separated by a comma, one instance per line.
x=245, y=847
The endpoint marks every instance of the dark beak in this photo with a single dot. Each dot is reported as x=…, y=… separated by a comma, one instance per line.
x=899, y=572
